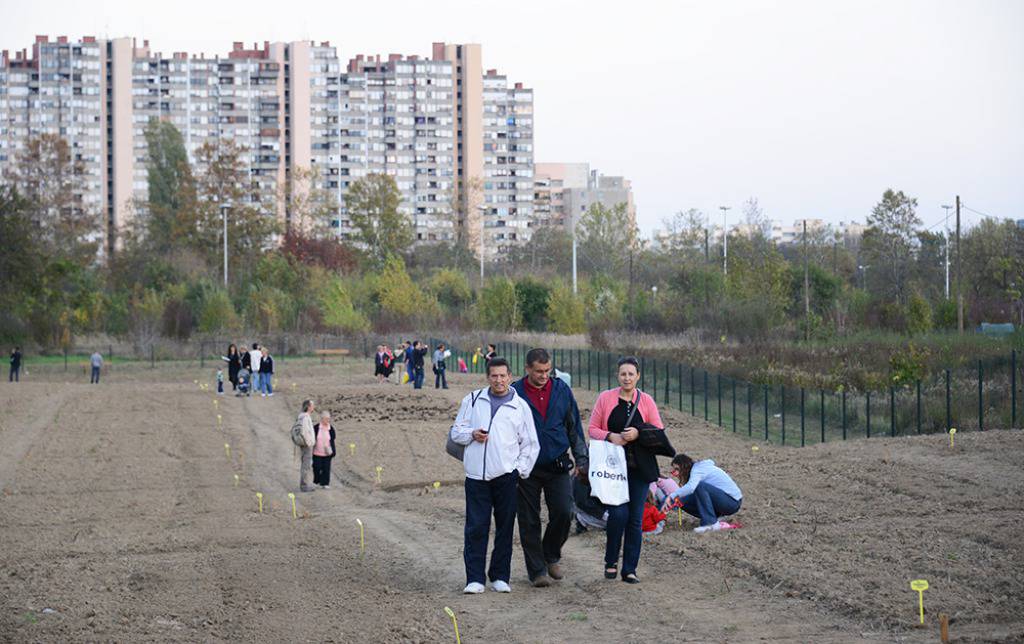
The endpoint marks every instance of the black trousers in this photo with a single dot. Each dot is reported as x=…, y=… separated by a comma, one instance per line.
x=322, y=470
x=15, y=375
x=557, y=489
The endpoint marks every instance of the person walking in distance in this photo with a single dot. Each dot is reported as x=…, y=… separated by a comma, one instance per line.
x=266, y=373
x=96, y=362
x=407, y=355
x=440, y=366
x=15, y=373
x=496, y=426
x=234, y=365
x=557, y=419
x=380, y=366
x=323, y=451
x=306, y=460
x=617, y=417
x=246, y=363
x=255, y=356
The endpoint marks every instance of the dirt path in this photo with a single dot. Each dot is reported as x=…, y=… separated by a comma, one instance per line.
x=134, y=529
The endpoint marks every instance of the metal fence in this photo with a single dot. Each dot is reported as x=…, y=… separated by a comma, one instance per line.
x=975, y=399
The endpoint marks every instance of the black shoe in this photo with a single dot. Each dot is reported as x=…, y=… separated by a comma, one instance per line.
x=631, y=578
x=614, y=572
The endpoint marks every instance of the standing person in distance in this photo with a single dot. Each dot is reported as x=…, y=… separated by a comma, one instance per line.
x=616, y=417
x=246, y=362
x=419, y=354
x=496, y=426
x=15, y=373
x=306, y=460
x=266, y=372
x=440, y=355
x=380, y=364
x=255, y=356
x=407, y=359
x=96, y=362
x=234, y=365
x=492, y=352
x=323, y=450
x=556, y=417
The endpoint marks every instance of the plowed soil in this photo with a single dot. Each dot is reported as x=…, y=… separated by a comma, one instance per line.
x=121, y=520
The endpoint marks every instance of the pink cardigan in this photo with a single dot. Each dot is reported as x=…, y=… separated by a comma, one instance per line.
x=607, y=401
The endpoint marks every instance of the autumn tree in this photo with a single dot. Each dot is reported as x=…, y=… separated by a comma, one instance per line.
x=889, y=241
x=373, y=204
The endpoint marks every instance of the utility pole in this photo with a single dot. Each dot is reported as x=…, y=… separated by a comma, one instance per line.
x=574, y=258
x=224, y=216
x=481, y=209
x=807, y=291
x=959, y=275
x=707, y=260
x=946, y=239
x=725, y=238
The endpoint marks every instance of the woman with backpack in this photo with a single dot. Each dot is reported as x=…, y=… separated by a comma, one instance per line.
x=323, y=450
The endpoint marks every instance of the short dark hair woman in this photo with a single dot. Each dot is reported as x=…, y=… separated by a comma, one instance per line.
x=617, y=416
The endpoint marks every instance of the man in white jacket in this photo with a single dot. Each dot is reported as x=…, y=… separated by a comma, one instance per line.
x=496, y=426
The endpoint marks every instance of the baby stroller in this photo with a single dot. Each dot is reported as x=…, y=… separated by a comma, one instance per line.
x=243, y=382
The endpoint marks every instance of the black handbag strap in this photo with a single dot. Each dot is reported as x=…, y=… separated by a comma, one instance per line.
x=632, y=412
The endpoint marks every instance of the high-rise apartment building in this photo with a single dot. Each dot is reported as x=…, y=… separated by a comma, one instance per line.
x=458, y=142
x=565, y=191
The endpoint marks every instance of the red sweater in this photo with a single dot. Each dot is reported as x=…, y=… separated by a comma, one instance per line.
x=651, y=517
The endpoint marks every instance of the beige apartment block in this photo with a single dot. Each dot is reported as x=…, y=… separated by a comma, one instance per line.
x=568, y=190
x=458, y=142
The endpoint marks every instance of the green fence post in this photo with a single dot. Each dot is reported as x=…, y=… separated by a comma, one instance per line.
x=782, y=404
x=733, y=405
x=918, y=384
x=668, y=383
x=844, y=413
x=65, y=358
x=705, y=394
x=693, y=393
x=718, y=381
x=892, y=411
x=590, y=368
x=750, y=409
x=679, y=369
x=152, y=357
x=1013, y=389
x=802, y=416
x=654, y=370
x=202, y=354
x=867, y=413
x=765, y=413
x=822, y=410
x=981, y=398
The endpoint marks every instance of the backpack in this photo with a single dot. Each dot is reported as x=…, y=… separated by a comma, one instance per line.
x=299, y=436
x=451, y=447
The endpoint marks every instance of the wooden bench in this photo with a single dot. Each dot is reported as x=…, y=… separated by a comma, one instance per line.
x=324, y=353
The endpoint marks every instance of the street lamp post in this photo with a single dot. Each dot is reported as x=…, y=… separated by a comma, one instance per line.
x=482, y=209
x=224, y=216
x=947, y=248
x=863, y=276
x=725, y=238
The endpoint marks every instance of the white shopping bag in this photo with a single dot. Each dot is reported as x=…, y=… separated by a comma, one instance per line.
x=608, y=480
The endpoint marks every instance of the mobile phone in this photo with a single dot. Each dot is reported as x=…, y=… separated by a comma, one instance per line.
x=486, y=431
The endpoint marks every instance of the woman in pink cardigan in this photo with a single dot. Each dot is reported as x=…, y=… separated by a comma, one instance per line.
x=608, y=421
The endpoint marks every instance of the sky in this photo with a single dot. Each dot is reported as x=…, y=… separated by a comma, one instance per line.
x=812, y=107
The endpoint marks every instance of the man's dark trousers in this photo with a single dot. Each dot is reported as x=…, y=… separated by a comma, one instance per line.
x=557, y=488
x=483, y=498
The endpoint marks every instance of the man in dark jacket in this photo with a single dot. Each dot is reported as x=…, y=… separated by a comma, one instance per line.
x=557, y=419
x=15, y=374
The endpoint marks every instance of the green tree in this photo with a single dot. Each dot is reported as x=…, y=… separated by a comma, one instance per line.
x=919, y=315
x=399, y=298
x=888, y=241
x=217, y=313
x=338, y=311
x=565, y=312
x=169, y=181
x=607, y=239
x=532, y=297
x=373, y=204
x=451, y=288
x=498, y=306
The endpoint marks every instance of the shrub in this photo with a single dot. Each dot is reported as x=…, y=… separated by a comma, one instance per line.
x=565, y=312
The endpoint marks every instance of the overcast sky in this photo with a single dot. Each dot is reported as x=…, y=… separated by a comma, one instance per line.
x=813, y=107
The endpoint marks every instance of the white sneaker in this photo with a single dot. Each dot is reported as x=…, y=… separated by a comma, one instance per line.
x=263, y=395
x=500, y=586
x=473, y=588
x=326, y=487
x=714, y=527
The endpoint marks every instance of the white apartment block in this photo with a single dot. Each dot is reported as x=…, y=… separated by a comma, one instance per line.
x=431, y=123
x=565, y=191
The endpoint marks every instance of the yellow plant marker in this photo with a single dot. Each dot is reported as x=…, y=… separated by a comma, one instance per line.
x=755, y=448
x=379, y=470
x=451, y=614
x=952, y=433
x=352, y=449
x=216, y=403
x=679, y=511
x=227, y=450
x=295, y=514
x=220, y=421
x=195, y=382
x=437, y=485
x=293, y=386
x=236, y=480
x=920, y=585
x=259, y=497
x=362, y=540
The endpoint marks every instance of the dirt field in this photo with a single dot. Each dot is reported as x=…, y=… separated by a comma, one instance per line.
x=120, y=520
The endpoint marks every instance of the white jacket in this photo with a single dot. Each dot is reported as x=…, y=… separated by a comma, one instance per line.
x=511, y=442
x=254, y=360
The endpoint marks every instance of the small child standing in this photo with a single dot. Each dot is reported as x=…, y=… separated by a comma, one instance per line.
x=220, y=382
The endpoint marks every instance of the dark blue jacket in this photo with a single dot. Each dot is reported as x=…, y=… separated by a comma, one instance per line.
x=561, y=429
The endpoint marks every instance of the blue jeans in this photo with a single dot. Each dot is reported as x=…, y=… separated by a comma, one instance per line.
x=254, y=382
x=417, y=379
x=440, y=380
x=266, y=383
x=15, y=374
x=483, y=498
x=95, y=376
x=626, y=520
x=708, y=502
x=412, y=374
